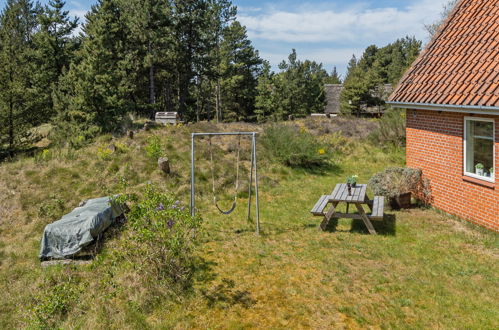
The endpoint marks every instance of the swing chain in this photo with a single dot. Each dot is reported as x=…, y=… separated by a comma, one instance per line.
x=213, y=177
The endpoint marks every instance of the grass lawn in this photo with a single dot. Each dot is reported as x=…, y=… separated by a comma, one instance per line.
x=423, y=270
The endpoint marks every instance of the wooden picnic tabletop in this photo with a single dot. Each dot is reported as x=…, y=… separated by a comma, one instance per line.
x=357, y=193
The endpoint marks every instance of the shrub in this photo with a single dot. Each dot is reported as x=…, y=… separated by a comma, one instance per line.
x=293, y=147
x=391, y=130
x=153, y=148
x=161, y=238
x=51, y=208
x=43, y=156
x=55, y=302
x=104, y=153
x=396, y=181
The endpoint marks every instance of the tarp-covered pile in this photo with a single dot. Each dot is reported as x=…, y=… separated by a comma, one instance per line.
x=67, y=236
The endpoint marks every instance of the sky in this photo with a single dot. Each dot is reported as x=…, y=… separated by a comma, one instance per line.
x=329, y=32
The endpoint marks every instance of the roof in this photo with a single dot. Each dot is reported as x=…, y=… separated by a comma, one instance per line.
x=460, y=65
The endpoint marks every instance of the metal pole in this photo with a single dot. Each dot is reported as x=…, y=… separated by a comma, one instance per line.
x=251, y=178
x=192, y=176
x=225, y=133
x=256, y=188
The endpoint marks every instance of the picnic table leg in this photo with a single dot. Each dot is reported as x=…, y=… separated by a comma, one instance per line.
x=328, y=216
x=369, y=202
x=366, y=220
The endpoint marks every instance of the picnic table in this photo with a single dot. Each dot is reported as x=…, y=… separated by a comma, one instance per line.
x=356, y=196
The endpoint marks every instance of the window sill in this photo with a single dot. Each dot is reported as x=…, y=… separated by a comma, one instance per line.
x=484, y=183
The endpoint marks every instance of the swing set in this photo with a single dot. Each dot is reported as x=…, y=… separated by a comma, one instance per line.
x=212, y=164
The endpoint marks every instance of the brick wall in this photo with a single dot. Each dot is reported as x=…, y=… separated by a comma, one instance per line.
x=435, y=144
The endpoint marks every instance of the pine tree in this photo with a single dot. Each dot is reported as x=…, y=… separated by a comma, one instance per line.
x=364, y=85
x=191, y=21
x=150, y=51
x=297, y=90
x=55, y=47
x=17, y=111
x=239, y=68
x=93, y=95
x=333, y=78
x=265, y=93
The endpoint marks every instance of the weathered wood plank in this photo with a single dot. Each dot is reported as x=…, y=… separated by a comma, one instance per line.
x=324, y=203
x=315, y=209
x=339, y=193
x=364, y=218
x=335, y=191
x=362, y=195
x=378, y=208
x=329, y=215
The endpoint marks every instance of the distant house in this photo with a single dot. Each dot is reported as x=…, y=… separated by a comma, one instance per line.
x=333, y=92
x=451, y=94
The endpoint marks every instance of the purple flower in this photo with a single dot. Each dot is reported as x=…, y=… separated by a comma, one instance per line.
x=160, y=207
x=182, y=208
x=170, y=223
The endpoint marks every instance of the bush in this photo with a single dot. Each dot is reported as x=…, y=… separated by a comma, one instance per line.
x=397, y=181
x=57, y=300
x=104, y=153
x=153, y=148
x=293, y=147
x=391, y=130
x=161, y=238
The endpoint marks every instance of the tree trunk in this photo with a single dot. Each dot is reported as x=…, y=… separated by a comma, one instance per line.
x=11, y=127
x=152, y=87
x=218, y=102
x=11, y=115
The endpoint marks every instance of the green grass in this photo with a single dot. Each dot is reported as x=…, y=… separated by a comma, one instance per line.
x=423, y=270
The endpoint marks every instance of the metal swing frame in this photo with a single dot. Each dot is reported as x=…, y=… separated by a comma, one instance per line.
x=253, y=168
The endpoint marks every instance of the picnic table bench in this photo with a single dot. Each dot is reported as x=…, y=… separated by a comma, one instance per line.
x=356, y=196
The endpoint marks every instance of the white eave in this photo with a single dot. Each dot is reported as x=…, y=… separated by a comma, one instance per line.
x=475, y=109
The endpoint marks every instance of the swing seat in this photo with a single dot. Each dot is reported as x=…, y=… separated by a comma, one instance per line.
x=229, y=211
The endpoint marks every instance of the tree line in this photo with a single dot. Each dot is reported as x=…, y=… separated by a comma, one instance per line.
x=364, y=83
x=143, y=56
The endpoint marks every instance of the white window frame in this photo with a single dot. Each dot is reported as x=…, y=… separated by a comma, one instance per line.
x=473, y=175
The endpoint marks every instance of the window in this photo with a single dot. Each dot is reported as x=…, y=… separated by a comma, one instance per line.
x=479, y=148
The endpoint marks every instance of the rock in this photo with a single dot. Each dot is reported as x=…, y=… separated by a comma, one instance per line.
x=164, y=165
x=112, y=147
x=148, y=125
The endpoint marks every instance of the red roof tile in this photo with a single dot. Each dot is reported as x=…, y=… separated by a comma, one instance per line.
x=460, y=66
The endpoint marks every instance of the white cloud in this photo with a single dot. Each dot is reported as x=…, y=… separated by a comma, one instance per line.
x=80, y=13
x=352, y=25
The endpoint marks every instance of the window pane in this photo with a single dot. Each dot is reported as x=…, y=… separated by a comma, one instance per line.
x=483, y=128
x=479, y=147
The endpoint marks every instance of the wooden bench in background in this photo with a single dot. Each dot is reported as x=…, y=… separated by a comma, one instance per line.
x=167, y=117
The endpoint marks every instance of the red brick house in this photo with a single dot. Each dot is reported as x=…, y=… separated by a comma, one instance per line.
x=451, y=95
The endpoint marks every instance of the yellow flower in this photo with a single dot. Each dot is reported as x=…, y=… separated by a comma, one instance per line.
x=322, y=151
